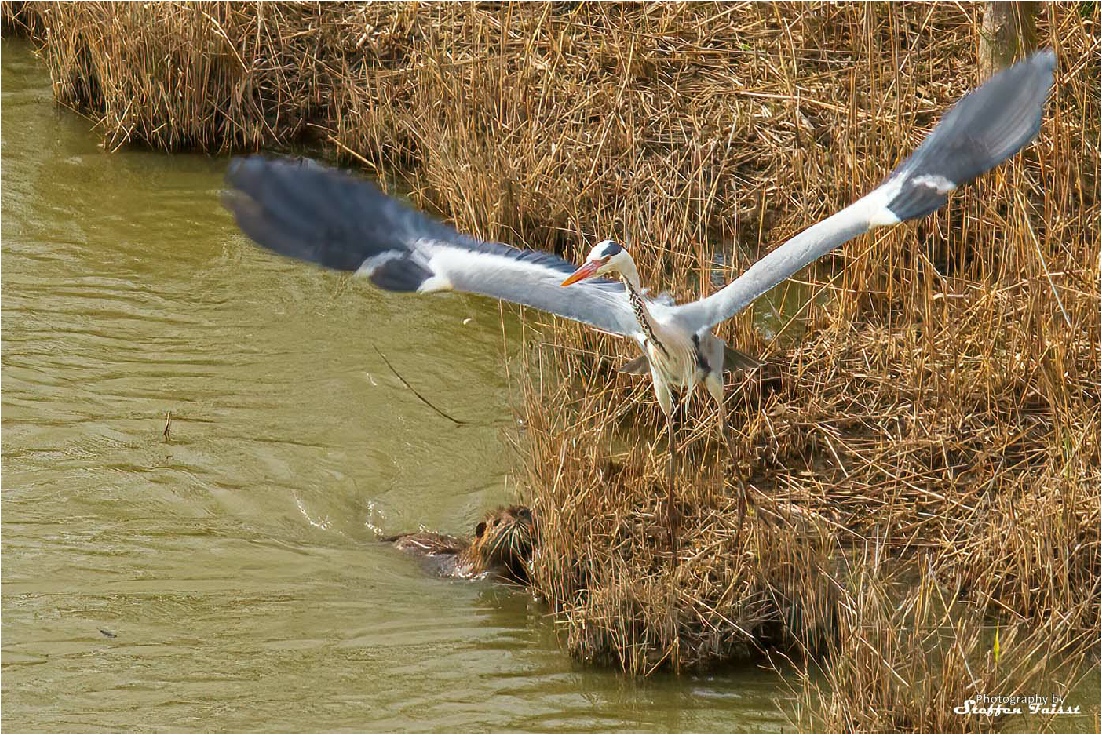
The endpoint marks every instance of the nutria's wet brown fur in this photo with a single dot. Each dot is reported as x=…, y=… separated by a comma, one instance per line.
x=501, y=547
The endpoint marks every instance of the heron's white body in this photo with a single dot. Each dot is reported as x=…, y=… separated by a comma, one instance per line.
x=678, y=359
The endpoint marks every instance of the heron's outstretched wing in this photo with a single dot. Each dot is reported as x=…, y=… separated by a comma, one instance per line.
x=305, y=210
x=986, y=127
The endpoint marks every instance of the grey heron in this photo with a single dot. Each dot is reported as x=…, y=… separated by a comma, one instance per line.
x=305, y=210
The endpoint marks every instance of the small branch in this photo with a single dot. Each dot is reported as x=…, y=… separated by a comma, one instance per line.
x=363, y=161
x=424, y=400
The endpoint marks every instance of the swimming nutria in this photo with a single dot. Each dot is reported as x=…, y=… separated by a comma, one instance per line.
x=501, y=547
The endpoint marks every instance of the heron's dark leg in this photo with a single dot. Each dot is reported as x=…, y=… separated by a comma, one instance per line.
x=714, y=384
x=671, y=512
x=665, y=400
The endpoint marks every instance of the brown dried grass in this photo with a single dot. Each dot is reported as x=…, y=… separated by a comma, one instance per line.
x=931, y=400
x=184, y=76
x=907, y=653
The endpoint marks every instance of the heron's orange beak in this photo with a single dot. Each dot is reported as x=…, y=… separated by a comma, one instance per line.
x=586, y=271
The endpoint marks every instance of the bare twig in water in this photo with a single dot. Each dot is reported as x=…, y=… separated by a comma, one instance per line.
x=167, y=433
x=345, y=149
x=424, y=400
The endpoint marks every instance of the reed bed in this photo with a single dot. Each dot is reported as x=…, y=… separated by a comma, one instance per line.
x=922, y=446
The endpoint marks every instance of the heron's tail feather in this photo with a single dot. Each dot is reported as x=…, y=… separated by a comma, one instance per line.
x=733, y=360
x=638, y=366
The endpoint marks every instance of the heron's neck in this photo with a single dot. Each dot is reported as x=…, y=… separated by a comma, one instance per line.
x=639, y=307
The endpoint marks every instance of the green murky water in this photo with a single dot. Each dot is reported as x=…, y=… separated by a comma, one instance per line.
x=230, y=578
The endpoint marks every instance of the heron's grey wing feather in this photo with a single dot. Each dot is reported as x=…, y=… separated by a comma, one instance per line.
x=981, y=131
x=527, y=277
x=988, y=126
x=304, y=210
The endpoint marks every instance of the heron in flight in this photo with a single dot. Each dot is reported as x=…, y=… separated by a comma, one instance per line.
x=304, y=210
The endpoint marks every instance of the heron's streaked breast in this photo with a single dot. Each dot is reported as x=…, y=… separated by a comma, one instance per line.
x=673, y=356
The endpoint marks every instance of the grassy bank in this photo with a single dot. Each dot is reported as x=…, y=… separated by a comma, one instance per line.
x=923, y=444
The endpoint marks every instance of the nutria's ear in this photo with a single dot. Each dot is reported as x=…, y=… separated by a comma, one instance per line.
x=480, y=529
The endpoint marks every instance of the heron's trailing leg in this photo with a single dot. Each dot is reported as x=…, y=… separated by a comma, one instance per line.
x=714, y=384
x=671, y=512
x=665, y=400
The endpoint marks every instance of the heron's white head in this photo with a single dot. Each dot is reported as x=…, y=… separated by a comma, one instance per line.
x=606, y=258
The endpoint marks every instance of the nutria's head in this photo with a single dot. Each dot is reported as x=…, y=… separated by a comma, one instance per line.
x=503, y=542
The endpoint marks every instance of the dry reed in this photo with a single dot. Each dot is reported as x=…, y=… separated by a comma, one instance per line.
x=931, y=400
